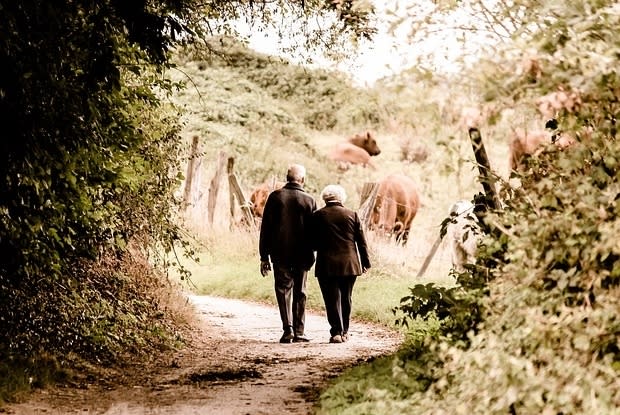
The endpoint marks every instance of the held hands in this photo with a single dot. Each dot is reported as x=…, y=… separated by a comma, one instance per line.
x=265, y=267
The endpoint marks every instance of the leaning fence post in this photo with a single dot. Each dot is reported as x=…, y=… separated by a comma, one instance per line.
x=236, y=192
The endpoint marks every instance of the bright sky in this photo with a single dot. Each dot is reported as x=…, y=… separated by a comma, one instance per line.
x=389, y=53
x=375, y=60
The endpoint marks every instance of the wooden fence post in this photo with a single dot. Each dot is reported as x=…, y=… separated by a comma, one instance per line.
x=429, y=257
x=192, y=176
x=367, y=201
x=214, y=187
x=237, y=193
x=484, y=168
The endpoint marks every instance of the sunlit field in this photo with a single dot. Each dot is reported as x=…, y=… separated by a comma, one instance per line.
x=263, y=147
x=228, y=252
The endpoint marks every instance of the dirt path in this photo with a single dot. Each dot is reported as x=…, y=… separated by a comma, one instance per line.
x=235, y=367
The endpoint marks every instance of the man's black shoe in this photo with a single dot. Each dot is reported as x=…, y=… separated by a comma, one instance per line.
x=300, y=339
x=287, y=337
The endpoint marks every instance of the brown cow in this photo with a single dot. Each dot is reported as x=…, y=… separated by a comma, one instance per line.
x=396, y=204
x=366, y=141
x=355, y=150
x=259, y=195
x=551, y=104
x=524, y=144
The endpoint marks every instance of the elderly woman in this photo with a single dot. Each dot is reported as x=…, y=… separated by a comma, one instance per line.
x=341, y=255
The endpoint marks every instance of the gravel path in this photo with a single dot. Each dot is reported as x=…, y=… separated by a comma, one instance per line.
x=235, y=366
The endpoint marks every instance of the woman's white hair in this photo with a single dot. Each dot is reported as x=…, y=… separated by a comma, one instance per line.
x=334, y=192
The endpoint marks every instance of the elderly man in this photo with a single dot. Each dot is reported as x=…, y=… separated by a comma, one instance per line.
x=341, y=255
x=284, y=238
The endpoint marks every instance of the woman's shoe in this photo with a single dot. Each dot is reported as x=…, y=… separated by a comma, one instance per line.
x=336, y=339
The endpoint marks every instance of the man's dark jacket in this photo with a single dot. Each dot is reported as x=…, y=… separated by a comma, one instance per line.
x=284, y=231
x=338, y=238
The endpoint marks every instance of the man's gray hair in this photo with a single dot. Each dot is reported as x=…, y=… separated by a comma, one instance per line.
x=334, y=193
x=296, y=173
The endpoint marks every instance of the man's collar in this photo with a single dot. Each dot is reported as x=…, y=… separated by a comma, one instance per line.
x=294, y=185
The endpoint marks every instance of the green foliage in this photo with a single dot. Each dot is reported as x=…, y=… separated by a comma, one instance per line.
x=460, y=307
x=381, y=386
x=88, y=164
x=549, y=310
x=321, y=99
x=20, y=375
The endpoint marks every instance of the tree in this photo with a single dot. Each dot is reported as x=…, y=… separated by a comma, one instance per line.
x=89, y=157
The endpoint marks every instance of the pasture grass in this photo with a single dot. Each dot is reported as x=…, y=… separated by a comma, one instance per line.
x=228, y=266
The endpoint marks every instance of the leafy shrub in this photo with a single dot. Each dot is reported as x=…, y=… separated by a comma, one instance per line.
x=382, y=385
x=547, y=341
x=88, y=166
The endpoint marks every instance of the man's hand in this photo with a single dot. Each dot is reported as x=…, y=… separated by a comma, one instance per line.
x=265, y=267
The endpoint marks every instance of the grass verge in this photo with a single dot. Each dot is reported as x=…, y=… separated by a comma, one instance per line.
x=228, y=266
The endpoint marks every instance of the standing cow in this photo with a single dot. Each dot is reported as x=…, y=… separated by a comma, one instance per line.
x=396, y=204
x=355, y=150
x=526, y=144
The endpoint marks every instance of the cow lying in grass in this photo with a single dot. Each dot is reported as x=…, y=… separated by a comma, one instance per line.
x=355, y=150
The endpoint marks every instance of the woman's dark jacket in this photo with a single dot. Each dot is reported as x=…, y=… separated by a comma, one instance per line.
x=339, y=241
x=284, y=231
